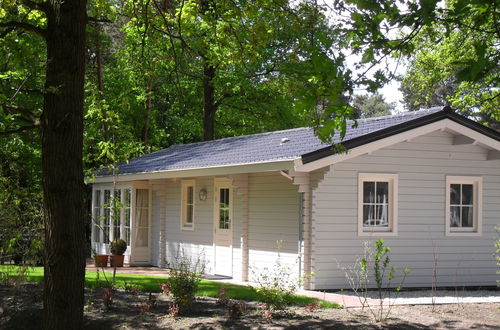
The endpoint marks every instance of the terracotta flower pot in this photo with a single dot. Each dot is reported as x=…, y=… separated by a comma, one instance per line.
x=115, y=260
x=101, y=260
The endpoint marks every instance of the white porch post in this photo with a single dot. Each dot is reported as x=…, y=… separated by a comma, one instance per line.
x=302, y=180
x=240, y=182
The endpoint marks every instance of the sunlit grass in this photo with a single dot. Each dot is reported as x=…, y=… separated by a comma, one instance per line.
x=147, y=283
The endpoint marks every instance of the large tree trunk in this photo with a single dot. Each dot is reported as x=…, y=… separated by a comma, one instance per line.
x=209, y=106
x=62, y=140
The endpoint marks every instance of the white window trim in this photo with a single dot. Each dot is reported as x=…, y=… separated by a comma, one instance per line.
x=476, y=229
x=111, y=188
x=184, y=185
x=393, y=204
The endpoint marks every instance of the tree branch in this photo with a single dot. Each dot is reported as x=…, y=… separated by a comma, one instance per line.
x=98, y=20
x=12, y=25
x=18, y=130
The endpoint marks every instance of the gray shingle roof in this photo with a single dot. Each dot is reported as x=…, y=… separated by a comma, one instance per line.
x=255, y=148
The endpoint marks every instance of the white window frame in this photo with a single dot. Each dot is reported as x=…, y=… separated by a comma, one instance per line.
x=184, y=185
x=477, y=184
x=392, y=229
x=110, y=226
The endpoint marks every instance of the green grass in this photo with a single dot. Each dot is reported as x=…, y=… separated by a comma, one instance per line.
x=152, y=284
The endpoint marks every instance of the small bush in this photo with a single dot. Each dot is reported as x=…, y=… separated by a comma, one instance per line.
x=278, y=285
x=235, y=308
x=118, y=247
x=222, y=298
x=173, y=311
x=266, y=312
x=185, y=276
x=148, y=305
x=107, y=298
x=312, y=306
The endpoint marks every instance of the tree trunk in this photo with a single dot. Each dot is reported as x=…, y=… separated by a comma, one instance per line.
x=149, y=108
x=99, y=74
x=209, y=107
x=62, y=140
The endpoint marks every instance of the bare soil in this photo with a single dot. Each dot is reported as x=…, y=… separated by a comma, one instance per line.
x=21, y=308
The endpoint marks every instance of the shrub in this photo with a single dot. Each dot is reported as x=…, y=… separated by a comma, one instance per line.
x=312, y=306
x=359, y=277
x=235, y=309
x=185, y=275
x=148, y=305
x=222, y=298
x=118, y=247
x=277, y=286
x=107, y=298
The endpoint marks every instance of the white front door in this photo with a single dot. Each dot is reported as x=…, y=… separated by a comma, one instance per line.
x=223, y=227
x=141, y=227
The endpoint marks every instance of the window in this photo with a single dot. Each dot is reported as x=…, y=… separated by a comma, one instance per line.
x=187, y=205
x=96, y=217
x=377, y=204
x=116, y=209
x=463, y=205
x=142, y=217
x=224, y=219
x=107, y=215
x=111, y=214
x=126, y=212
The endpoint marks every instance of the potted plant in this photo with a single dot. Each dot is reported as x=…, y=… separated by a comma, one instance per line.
x=117, y=248
x=100, y=260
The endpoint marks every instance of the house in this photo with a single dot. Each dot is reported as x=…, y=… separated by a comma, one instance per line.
x=427, y=182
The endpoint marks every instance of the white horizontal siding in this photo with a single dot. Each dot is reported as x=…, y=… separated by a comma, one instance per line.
x=273, y=217
x=195, y=243
x=422, y=165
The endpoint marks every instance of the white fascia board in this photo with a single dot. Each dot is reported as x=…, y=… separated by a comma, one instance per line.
x=194, y=172
x=397, y=138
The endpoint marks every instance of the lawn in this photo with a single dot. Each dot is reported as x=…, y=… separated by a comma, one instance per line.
x=146, y=283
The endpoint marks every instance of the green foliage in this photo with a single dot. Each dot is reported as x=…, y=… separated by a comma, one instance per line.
x=434, y=77
x=276, y=286
x=371, y=106
x=118, y=247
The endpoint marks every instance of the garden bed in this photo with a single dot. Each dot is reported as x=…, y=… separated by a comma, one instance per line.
x=22, y=309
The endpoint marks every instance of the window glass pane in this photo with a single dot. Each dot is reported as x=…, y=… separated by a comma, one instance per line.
x=97, y=198
x=189, y=214
x=127, y=197
x=455, y=194
x=467, y=194
x=368, y=192
x=224, y=220
x=118, y=195
x=190, y=194
x=467, y=217
x=382, y=192
x=454, y=216
x=107, y=197
x=368, y=215
x=382, y=216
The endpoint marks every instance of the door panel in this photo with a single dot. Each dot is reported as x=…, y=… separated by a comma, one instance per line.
x=141, y=241
x=223, y=229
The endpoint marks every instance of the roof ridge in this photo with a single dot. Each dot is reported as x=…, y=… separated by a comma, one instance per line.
x=402, y=114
